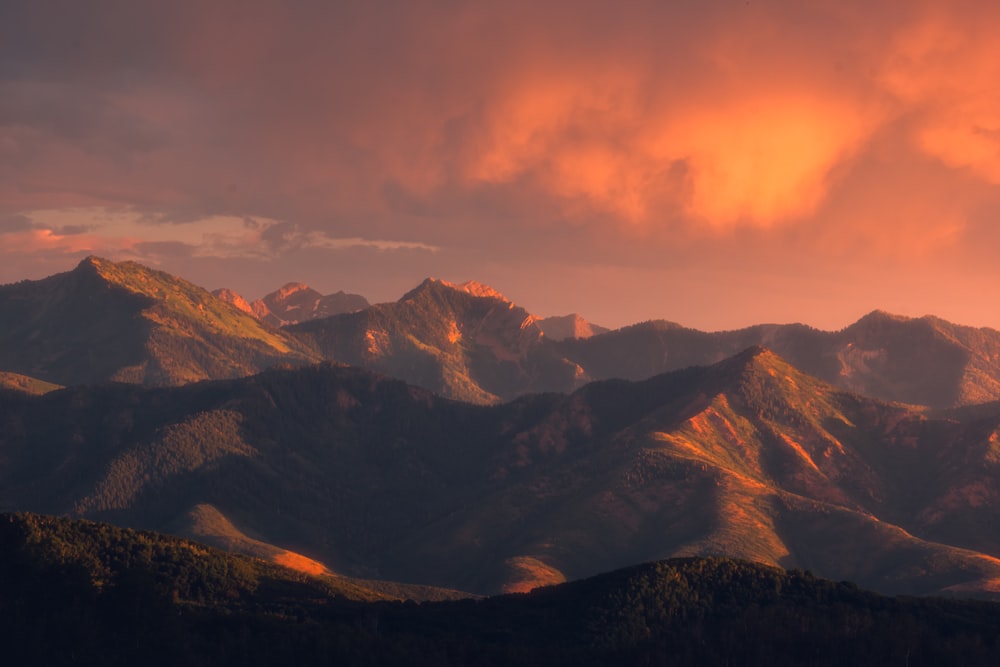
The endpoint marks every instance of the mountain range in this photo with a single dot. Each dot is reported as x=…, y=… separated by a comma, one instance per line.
x=374, y=478
x=124, y=322
x=447, y=439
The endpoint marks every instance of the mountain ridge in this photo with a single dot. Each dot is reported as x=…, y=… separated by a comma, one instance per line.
x=150, y=327
x=125, y=322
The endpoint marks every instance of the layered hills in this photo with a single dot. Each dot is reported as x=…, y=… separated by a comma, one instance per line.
x=125, y=322
x=747, y=458
x=85, y=593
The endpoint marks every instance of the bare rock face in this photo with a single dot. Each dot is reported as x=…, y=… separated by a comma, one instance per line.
x=234, y=298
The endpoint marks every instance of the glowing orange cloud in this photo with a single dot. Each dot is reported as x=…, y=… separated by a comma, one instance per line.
x=944, y=67
x=765, y=160
x=750, y=157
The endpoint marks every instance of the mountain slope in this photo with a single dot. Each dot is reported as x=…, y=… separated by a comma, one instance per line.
x=370, y=477
x=462, y=341
x=125, y=322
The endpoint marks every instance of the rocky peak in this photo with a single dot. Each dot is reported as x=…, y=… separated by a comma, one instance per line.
x=234, y=298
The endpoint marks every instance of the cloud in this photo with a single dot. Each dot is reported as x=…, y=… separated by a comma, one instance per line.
x=639, y=134
x=15, y=222
x=628, y=113
x=943, y=65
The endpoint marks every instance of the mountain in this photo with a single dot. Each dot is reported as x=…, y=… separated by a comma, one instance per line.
x=293, y=303
x=470, y=343
x=85, y=593
x=569, y=326
x=125, y=322
x=465, y=342
x=372, y=478
x=925, y=361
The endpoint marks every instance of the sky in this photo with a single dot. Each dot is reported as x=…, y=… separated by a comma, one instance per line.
x=714, y=163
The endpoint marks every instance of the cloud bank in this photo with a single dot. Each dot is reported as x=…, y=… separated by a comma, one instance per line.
x=632, y=140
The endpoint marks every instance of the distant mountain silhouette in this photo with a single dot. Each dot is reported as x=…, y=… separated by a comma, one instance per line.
x=125, y=322
x=295, y=302
x=924, y=361
x=747, y=458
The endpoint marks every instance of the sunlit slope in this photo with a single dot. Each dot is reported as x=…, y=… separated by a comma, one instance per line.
x=26, y=384
x=126, y=322
x=370, y=477
x=474, y=346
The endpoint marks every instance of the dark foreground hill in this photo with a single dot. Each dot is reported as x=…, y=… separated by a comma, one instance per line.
x=83, y=593
x=748, y=458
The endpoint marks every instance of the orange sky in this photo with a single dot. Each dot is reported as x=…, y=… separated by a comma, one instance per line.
x=713, y=163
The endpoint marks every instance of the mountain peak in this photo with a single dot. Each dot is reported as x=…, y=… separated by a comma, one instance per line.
x=476, y=288
x=91, y=261
x=290, y=289
x=128, y=275
x=878, y=316
x=297, y=302
x=470, y=287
